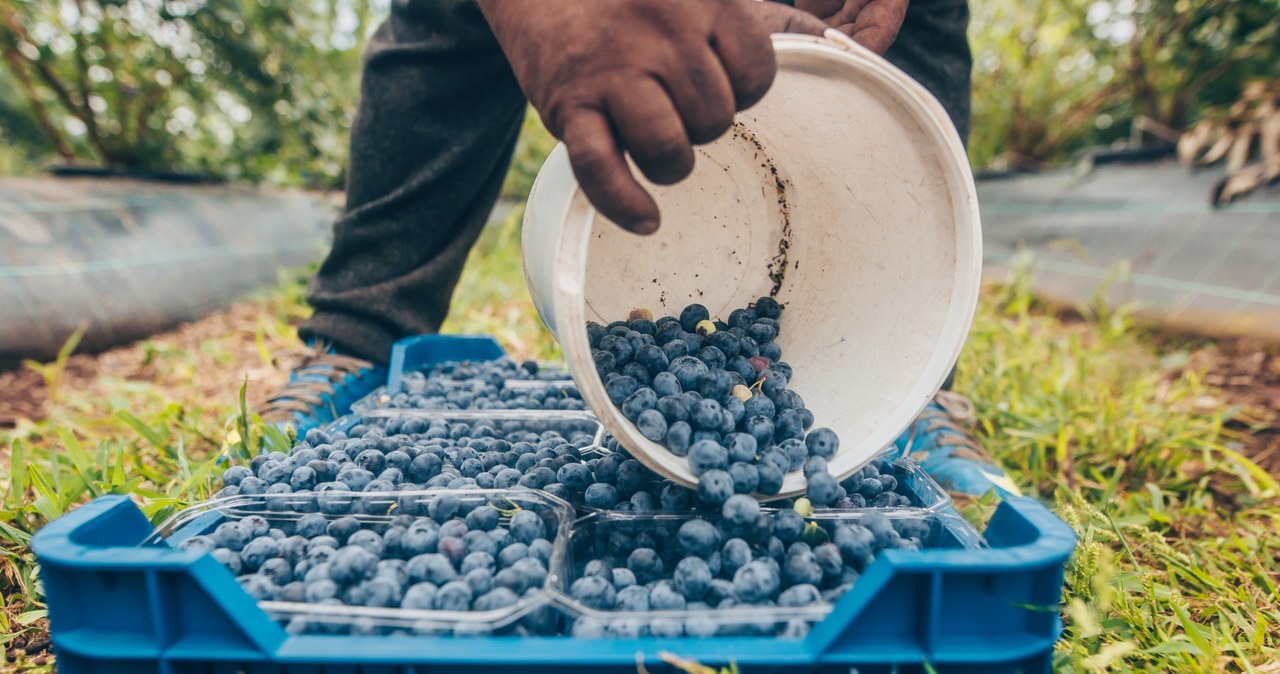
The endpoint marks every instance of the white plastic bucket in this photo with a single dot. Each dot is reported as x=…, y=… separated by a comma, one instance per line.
x=849, y=183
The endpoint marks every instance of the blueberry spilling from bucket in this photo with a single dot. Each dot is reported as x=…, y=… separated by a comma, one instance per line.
x=715, y=392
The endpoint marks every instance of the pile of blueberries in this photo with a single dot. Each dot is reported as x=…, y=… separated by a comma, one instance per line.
x=715, y=392
x=486, y=385
x=769, y=567
x=457, y=554
x=340, y=526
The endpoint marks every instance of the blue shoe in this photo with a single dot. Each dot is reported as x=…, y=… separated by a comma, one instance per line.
x=937, y=439
x=321, y=388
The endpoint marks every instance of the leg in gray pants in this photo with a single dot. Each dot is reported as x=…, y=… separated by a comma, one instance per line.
x=439, y=115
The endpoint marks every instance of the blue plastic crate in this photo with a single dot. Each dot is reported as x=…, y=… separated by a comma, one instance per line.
x=121, y=603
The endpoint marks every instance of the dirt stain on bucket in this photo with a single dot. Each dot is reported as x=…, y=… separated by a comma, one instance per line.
x=778, y=263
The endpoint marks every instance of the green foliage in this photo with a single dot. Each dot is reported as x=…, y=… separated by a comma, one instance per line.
x=231, y=88
x=1052, y=77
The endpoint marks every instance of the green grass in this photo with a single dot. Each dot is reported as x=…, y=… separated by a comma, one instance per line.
x=1176, y=569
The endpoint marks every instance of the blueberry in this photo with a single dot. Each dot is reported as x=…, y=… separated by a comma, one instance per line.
x=796, y=453
x=604, y=362
x=707, y=415
x=527, y=526
x=497, y=598
x=762, y=333
x=664, y=596
x=652, y=425
x=788, y=525
x=746, y=477
x=800, y=595
x=770, y=479
x=740, y=512
x=368, y=540
x=756, y=582
x=672, y=409
x=706, y=455
x=320, y=590
x=232, y=476
x=829, y=560
x=714, y=488
x=431, y=567
x=653, y=359
x=761, y=428
x=601, y=495
x=645, y=564
x=233, y=535
x=854, y=543
x=674, y=498
x=228, y=558
x=688, y=371
x=633, y=598
x=454, y=595
x=420, y=596
x=692, y=578
x=619, y=388
x=424, y=467
x=342, y=528
x=814, y=465
x=698, y=537
x=822, y=489
x=598, y=567
x=483, y=518
x=735, y=554
x=679, y=437
x=666, y=384
x=692, y=315
x=351, y=564
x=822, y=442
x=870, y=488
x=638, y=372
x=714, y=359
x=801, y=567
x=770, y=350
x=419, y=541
x=443, y=507
x=623, y=578
x=512, y=553
x=594, y=592
x=643, y=399
x=295, y=591
x=356, y=479
x=787, y=425
x=371, y=460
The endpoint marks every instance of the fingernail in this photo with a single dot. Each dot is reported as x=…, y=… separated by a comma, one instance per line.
x=645, y=227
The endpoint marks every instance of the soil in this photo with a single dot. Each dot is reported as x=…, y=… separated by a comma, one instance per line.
x=1247, y=374
x=201, y=377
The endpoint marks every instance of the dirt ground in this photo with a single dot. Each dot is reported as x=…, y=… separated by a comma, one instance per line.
x=25, y=395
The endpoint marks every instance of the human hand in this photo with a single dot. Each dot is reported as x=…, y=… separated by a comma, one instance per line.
x=652, y=78
x=872, y=23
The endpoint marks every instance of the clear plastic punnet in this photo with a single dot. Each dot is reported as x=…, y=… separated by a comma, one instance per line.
x=301, y=523
x=613, y=538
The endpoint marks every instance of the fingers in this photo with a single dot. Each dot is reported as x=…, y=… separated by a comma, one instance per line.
x=877, y=24
x=872, y=23
x=603, y=174
x=651, y=130
x=777, y=18
x=741, y=40
x=702, y=93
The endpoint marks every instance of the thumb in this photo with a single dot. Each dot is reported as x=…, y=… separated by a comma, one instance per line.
x=779, y=18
